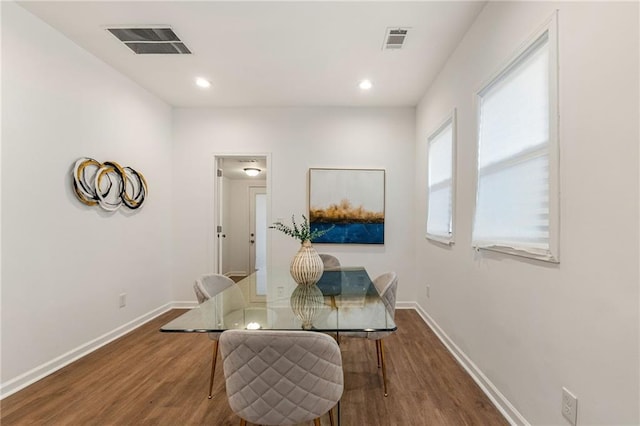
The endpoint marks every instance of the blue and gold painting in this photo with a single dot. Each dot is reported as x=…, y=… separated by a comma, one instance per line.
x=349, y=200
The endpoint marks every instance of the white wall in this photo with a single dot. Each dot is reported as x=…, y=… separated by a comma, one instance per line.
x=297, y=139
x=63, y=263
x=529, y=326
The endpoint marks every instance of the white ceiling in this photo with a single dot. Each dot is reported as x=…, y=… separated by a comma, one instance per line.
x=264, y=53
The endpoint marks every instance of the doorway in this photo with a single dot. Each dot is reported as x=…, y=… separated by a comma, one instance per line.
x=241, y=207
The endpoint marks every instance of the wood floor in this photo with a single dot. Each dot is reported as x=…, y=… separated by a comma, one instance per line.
x=153, y=378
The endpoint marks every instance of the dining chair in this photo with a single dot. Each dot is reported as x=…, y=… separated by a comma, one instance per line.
x=281, y=377
x=206, y=287
x=329, y=261
x=387, y=285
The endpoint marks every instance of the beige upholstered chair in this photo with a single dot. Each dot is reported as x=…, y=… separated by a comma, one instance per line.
x=281, y=377
x=329, y=261
x=387, y=285
x=205, y=288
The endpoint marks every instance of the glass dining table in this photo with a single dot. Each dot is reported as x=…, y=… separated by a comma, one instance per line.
x=343, y=300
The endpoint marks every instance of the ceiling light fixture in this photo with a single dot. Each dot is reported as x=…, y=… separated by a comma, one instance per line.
x=365, y=85
x=251, y=171
x=203, y=82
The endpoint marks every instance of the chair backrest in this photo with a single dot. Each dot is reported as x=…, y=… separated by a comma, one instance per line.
x=387, y=286
x=281, y=377
x=329, y=261
x=209, y=285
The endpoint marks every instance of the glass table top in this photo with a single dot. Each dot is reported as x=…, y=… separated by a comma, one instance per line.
x=344, y=299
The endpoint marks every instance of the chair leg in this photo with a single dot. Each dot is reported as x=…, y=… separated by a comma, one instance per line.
x=316, y=422
x=243, y=422
x=213, y=367
x=331, y=420
x=384, y=370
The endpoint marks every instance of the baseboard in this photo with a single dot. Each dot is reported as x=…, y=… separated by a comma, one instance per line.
x=183, y=305
x=497, y=398
x=14, y=385
x=406, y=305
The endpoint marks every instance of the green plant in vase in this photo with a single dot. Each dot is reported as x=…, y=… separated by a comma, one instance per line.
x=300, y=232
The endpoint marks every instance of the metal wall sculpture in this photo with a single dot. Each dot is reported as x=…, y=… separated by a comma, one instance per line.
x=108, y=184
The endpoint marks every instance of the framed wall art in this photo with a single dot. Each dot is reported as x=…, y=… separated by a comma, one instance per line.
x=350, y=202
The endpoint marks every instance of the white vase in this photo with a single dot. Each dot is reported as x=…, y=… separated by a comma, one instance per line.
x=306, y=266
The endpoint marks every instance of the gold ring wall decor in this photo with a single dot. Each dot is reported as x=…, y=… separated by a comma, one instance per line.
x=108, y=184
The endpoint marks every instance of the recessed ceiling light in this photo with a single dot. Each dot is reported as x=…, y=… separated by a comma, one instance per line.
x=203, y=82
x=365, y=85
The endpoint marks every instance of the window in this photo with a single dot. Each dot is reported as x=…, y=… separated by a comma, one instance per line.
x=516, y=199
x=440, y=195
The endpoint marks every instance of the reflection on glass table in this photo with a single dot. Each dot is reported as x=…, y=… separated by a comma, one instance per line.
x=344, y=299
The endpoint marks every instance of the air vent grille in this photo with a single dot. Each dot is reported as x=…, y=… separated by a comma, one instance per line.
x=395, y=38
x=149, y=41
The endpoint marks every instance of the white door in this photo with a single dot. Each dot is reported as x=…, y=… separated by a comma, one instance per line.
x=258, y=228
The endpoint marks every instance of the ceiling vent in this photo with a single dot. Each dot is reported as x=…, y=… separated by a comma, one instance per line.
x=151, y=41
x=394, y=38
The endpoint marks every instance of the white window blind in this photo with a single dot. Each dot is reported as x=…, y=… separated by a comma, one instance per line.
x=440, y=183
x=515, y=140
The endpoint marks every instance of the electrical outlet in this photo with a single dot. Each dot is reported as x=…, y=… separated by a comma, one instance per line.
x=123, y=300
x=428, y=291
x=569, y=406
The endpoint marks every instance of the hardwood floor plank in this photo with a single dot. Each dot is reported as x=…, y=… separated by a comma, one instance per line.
x=152, y=378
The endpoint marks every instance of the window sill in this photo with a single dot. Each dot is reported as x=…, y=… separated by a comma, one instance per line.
x=530, y=253
x=440, y=239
